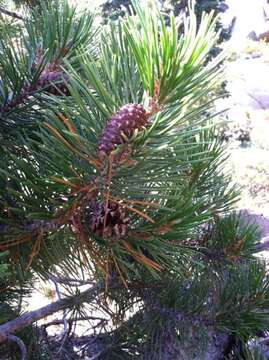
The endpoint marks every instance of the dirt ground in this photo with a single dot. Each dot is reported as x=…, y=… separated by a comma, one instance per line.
x=247, y=128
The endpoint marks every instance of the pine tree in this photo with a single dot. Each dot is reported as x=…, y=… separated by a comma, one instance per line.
x=113, y=177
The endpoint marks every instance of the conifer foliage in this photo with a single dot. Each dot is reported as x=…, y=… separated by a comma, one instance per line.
x=112, y=177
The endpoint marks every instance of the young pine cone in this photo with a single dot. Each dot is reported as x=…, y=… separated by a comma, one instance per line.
x=52, y=82
x=57, y=78
x=127, y=119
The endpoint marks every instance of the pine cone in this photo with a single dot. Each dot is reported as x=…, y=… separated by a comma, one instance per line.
x=55, y=77
x=127, y=119
x=45, y=81
x=116, y=220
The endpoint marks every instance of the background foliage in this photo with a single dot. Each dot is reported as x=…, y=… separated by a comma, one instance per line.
x=113, y=9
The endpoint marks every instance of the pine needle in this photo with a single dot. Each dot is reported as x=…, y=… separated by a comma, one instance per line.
x=141, y=258
x=65, y=182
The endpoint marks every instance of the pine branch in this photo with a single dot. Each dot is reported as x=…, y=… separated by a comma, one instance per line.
x=265, y=341
x=70, y=281
x=31, y=226
x=71, y=321
x=11, y=13
x=263, y=246
x=31, y=317
x=20, y=344
x=29, y=70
